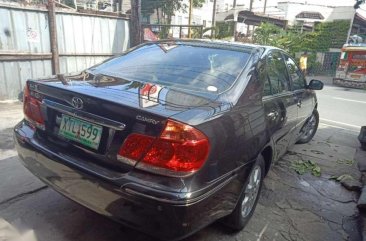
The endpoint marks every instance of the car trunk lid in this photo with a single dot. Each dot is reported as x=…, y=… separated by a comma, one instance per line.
x=115, y=107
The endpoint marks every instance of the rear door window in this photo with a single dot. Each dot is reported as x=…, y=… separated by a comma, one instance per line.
x=277, y=73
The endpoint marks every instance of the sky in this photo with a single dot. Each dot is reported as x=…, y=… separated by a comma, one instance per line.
x=330, y=2
x=272, y=3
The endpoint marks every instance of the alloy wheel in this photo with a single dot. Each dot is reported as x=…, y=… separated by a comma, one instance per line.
x=251, y=191
x=310, y=127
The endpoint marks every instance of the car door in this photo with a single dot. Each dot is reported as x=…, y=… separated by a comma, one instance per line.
x=279, y=103
x=302, y=95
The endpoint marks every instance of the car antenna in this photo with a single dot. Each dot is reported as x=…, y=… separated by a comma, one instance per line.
x=61, y=77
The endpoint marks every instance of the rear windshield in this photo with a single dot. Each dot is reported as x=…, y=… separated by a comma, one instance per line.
x=196, y=68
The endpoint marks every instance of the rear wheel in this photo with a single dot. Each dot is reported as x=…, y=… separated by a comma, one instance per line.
x=309, y=129
x=248, y=198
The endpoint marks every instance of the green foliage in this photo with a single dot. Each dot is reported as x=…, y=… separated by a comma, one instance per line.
x=163, y=34
x=198, y=3
x=224, y=30
x=148, y=6
x=270, y=34
x=345, y=162
x=196, y=32
x=267, y=34
x=302, y=167
x=325, y=35
x=69, y=3
x=342, y=177
x=168, y=7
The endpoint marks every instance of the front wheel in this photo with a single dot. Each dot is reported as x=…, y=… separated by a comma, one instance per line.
x=309, y=129
x=248, y=198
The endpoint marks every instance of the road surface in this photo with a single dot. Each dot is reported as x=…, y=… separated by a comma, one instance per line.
x=342, y=107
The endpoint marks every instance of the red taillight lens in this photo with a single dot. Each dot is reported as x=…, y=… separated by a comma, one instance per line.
x=179, y=148
x=135, y=146
x=32, y=108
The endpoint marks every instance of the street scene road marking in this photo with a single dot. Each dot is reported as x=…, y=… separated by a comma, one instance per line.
x=354, y=127
x=341, y=123
x=339, y=127
x=358, y=101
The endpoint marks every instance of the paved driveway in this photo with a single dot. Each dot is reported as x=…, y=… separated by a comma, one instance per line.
x=291, y=207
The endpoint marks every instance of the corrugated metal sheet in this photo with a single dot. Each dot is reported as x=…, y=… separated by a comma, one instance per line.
x=24, y=31
x=91, y=35
x=13, y=75
x=27, y=31
x=75, y=64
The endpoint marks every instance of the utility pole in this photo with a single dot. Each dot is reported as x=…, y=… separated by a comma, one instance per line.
x=53, y=37
x=235, y=18
x=213, y=19
x=265, y=6
x=190, y=17
x=350, y=28
x=250, y=9
x=135, y=25
x=119, y=6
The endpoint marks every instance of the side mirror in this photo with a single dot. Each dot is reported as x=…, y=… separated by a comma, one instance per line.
x=315, y=85
x=20, y=96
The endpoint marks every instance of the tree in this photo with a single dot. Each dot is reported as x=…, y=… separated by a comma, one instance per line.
x=198, y=3
x=135, y=29
x=293, y=40
x=267, y=34
x=168, y=7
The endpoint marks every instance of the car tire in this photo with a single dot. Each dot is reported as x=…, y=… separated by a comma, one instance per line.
x=248, y=199
x=309, y=129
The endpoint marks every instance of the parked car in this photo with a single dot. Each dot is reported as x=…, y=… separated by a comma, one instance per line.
x=171, y=135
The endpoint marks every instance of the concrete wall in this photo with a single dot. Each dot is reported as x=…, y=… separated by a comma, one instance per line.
x=329, y=13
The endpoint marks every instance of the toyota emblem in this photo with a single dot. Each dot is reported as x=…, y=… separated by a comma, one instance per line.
x=77, y=102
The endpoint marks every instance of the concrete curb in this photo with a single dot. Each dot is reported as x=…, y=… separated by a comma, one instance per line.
x=349, y=83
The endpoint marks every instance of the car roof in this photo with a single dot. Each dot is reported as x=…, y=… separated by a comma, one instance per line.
x=216, y=44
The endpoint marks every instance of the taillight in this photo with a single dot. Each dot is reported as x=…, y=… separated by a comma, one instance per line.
x=32, y=108
x=180, y=149
x=134, y=147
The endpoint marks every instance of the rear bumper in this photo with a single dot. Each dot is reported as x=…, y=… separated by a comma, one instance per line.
x=117, y=198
